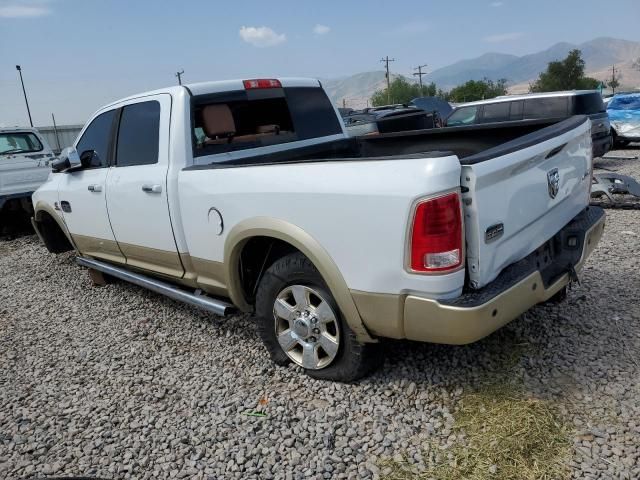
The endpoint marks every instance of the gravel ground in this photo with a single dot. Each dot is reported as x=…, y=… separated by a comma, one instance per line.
x=117, y=382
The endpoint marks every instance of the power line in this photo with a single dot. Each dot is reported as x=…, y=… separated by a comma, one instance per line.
x=386, y=61
x=419, y=74
x=179, y=75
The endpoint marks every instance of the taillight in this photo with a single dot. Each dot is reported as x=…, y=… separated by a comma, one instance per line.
x=261, y=83
x=436, y=235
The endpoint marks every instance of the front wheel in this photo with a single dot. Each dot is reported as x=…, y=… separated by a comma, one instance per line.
x=299, y=321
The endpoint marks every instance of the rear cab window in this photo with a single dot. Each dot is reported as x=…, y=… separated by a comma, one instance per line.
x=19, y=142
x=246, y=119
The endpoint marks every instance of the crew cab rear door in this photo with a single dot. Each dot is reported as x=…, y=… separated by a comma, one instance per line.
x=520, y=194
x=137, y=186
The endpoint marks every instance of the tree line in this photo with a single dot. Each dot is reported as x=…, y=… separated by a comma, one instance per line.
x=566, y=74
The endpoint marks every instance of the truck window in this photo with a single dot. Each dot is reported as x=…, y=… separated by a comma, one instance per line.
x=515, y=112
x=312, y=112
x=138, y=134
x=496, y=112
x=463, y=116
x=588, y=104
x=96, y=138
x=19, y=142
x=241, y=121
x=552, y=107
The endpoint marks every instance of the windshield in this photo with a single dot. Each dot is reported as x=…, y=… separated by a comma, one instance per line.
x=628, y=102
x=19, y=142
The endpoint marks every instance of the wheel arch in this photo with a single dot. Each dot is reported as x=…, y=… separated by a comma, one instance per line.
x=42, y=212
x=299, y=239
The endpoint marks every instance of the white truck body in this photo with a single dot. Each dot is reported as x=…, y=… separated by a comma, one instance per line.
x=24, y=164
x=188, y=215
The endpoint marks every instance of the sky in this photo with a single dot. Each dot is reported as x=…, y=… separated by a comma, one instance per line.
x=77, y=55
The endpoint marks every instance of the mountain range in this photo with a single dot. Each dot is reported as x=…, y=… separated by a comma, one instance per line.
x=599, y=55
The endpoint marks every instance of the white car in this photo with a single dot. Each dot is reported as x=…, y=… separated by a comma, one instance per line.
x=24, y=166
x=249, y=195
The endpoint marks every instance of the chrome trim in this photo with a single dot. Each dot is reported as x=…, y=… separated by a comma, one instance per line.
x=201, y=301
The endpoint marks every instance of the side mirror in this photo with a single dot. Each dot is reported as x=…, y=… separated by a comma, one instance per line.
x=68, y=160
x=89, y=159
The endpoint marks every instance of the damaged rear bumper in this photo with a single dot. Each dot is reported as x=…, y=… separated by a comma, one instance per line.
x=532, y=280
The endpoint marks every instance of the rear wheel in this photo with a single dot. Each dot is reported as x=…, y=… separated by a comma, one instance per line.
x=299, y=322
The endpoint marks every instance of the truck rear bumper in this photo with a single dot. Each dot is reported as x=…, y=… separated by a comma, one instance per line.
x=519, y=287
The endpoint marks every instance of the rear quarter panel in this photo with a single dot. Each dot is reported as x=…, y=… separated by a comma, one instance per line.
x=358, y=211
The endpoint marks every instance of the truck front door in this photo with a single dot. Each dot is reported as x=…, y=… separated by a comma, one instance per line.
x=82, y=193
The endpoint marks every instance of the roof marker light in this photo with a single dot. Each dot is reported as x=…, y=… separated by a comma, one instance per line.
x=261, y=83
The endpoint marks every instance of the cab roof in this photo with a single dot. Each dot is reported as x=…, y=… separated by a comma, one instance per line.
x=508, y=98
x=218, y=86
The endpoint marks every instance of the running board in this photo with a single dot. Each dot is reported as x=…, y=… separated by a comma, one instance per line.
x=202, y=301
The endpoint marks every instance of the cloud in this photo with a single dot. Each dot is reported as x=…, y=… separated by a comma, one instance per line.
x=261, y=36
x=23, y=9
x=503, y=37
x=321, y=29
x=496, y=4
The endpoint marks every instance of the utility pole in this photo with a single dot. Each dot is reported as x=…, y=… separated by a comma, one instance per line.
x=419, y=74
x=179, y=75
x=614, y=83
x=25, y=94
x=386, y=61
x=55, y=130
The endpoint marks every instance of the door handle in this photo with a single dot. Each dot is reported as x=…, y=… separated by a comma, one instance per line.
x=94, y=188
x=152, y=188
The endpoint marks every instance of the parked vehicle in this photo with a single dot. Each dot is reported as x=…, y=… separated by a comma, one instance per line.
x=438, y=106
x=250, y=195
x=624, y=115
x=24, y=166
x=536, y=106
x=387, y=119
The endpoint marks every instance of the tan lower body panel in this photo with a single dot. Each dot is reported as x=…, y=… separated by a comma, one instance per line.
x=210, y=276
x=99, y=248
x=180, y=267
x=153, y=259
x=427, y=320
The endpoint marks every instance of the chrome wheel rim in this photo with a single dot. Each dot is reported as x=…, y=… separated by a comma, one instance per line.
x=306, y=327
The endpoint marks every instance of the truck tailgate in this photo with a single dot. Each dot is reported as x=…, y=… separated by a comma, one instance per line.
x=518, y=195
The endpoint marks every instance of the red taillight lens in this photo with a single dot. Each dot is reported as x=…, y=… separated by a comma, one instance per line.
x=436, y=236
x=261, y=83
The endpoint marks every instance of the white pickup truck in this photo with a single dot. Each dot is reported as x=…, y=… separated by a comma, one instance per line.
x=24, y=166
x=248, y=195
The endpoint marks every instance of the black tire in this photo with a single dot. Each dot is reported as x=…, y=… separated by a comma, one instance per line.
x=353, y=359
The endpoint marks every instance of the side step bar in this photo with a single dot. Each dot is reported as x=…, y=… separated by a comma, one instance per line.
x=202, y=301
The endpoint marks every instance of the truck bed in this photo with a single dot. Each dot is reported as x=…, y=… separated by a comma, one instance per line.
x=471, y=144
